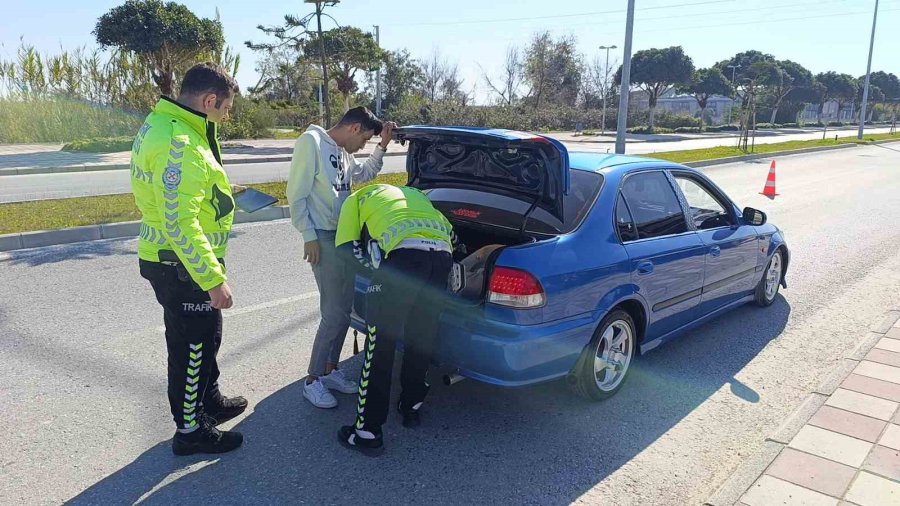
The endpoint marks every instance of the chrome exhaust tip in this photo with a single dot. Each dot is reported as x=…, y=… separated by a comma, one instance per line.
x=453, y=378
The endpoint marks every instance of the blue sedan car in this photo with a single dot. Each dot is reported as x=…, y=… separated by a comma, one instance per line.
x=577, y=262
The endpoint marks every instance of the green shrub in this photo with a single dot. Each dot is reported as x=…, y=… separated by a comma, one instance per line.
x=415, y=110
x=721, y=128
x=689, y=130
x=58, y=119
x=646, y=130
x=101, y=145
x=249, y=120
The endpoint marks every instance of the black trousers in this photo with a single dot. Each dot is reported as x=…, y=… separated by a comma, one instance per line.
x=403, y=303
x=193, y=337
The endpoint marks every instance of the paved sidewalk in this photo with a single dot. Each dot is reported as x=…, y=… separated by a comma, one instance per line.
x=848, y=451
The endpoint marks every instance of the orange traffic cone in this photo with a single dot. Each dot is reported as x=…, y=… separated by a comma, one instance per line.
x=769, y=190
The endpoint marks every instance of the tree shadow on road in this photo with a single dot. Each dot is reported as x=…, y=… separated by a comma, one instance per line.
x=65, y=252
x=478, y=444
x=87, y=250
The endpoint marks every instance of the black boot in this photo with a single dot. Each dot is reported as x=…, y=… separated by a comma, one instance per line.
x=206, y=439
x=410, y=416
x=371, y=447
x=225, y=408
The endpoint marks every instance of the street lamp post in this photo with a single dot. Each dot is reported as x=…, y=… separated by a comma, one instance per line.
x=733, y=91
x=378, y=75
x=605, y=89
x=625, y=93
x=865, y=97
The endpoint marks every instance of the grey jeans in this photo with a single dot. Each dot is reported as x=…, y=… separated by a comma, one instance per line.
x=334, y=277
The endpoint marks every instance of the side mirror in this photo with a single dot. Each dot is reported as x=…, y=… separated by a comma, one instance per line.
x=754, y=217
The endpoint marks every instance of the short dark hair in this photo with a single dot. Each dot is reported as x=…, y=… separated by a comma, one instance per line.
x=364, y=117
x=208, y=77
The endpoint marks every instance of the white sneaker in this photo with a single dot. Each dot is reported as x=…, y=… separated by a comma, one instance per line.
x=337, y=381
x=318, y=395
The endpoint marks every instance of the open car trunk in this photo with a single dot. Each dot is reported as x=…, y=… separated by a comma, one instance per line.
x=483, y=244
x=523, y=173
x=499, y=188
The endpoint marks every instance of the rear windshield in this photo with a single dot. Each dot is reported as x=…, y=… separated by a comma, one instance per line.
x=507, y=212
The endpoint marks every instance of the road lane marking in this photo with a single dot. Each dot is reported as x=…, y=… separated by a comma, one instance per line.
x=230, y=313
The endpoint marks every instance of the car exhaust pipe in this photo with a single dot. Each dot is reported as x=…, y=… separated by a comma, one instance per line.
x=453, y=378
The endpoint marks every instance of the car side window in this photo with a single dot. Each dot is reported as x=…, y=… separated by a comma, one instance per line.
x=654, y=205
x=624, y=221
x=706, y=210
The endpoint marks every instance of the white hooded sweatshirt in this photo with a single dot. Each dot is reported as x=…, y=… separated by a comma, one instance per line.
x=320, y=178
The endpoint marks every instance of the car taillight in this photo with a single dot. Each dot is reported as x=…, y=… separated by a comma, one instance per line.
x=515, y=288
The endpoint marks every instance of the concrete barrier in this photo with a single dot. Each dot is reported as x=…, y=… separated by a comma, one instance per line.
x=9, y=242
x=62, y=236
x=116, y=230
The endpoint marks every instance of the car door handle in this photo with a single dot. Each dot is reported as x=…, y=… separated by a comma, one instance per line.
x=645, y=268
x=715, y=251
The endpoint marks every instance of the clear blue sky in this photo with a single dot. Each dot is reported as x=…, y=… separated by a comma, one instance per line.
x=820, y=34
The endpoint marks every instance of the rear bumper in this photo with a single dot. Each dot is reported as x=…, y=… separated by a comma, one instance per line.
x=508, y=355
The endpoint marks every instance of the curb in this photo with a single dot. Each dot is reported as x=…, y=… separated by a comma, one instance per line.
x=128, y=229
x=754, y=466
x=744, y=158
x=23, y=171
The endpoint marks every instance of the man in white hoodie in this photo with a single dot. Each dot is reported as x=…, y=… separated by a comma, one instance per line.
x=322, y=170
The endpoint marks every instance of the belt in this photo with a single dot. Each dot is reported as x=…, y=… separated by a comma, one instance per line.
x=424, y=245
x=168, y=257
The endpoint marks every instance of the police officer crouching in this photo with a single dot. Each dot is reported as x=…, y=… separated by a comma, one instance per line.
x=187, y=210
x=403, y=302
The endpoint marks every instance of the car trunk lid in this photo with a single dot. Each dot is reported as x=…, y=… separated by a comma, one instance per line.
x=530, y=167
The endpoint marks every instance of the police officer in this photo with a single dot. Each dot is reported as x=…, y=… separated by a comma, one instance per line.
x=187, y=210
x=410, y=250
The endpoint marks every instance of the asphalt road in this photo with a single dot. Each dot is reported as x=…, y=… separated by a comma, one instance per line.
x=83, y=391
x=79, y=184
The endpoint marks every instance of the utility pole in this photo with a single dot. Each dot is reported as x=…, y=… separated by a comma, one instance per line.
x=378, y=76
x=625, y=93
x=605, y=90
x=321, y=111
x=733, y=91
x=319, y=4
x=865, y=97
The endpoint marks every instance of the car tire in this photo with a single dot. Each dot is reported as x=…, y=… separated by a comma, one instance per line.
x=767, y=289
x=618, y=329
